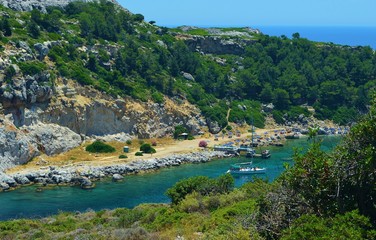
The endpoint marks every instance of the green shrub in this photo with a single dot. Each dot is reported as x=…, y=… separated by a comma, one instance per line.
x=138, y=17
x=100, y=147
x=278, y=116
x=32, y=67
x=345, y=115
x=129, y=142
x=190, y=203
x=147, y=148
x=295, y=111
x=122, y=156
x=179, y=129
x=139, y=154
x=157, y=97
x=200, y=184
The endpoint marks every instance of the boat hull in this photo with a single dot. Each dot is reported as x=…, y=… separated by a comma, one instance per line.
x=245, y=172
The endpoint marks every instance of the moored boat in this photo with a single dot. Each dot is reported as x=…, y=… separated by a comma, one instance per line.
x=265, y=154
x=245, y=168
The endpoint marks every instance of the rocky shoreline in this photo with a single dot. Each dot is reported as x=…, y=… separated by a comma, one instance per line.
x=85, y=176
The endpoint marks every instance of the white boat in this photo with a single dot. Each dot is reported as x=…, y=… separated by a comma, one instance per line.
x=245, y=168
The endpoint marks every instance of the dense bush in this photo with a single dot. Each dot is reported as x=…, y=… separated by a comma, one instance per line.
x=179, y=129
x=100, y=147
x=278, y=116
x=200, y=184
x=147, y=148
x=32, y=67
x=139, y=154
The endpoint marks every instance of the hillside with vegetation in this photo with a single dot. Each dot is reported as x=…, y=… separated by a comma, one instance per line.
x=127, y=69
x=101, y=45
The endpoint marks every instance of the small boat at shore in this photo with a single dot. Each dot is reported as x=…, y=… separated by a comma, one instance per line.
x=265, y=154
x=245, y=169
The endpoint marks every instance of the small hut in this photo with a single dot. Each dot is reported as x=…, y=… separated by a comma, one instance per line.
x=183, y=136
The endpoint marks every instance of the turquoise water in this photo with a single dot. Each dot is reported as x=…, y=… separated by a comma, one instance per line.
x=136, y=189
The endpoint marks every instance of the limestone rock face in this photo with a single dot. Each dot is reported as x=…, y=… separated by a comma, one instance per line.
x=217, y=45
x=28, y=5
x=22, y=91
x=20, y=145
x=15, y=147
x=53, y=139
x=213, y=126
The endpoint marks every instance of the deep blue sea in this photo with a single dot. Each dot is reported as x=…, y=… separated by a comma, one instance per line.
x=351, y=35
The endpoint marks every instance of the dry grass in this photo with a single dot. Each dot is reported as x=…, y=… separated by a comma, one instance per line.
x=165, y=147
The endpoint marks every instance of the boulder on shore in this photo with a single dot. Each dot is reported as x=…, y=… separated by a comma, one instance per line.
x=117, y=177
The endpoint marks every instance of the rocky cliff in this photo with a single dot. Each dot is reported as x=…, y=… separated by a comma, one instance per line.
x=28, y=5
x=40, y=113
x=217, y=41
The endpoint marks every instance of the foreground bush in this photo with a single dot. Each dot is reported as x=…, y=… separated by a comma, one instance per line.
x=100, y=147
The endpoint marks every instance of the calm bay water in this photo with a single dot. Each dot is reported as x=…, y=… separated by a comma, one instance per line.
x=136, y=189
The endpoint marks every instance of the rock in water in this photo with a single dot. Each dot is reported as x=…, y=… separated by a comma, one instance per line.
x=4, y=186
x=117, y=177
x=86, y=183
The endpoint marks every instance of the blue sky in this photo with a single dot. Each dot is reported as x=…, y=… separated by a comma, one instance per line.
x=256, y=13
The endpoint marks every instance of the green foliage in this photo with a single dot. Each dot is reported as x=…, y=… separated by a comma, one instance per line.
x=122, y=156
x=351, y=225
x=157, y=97
x=355, y=168
x=32, y=67
x=33, y=29
x=190, y=137
x=129, y=142
x=278, y=116
x=5, y=27
x=200, y=184
x=313, y=175
x=336, y=79
x=281, y=99
x=9, y=73
x=147, y=148
x=345, y=115
x=295, y=111
x=139, y=154
x=216, y=112
x=247, y=111
x=100, y=147
x=138, y=17
x=179, y=129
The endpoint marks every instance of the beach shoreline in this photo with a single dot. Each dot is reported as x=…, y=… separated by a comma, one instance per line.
x=85, y=173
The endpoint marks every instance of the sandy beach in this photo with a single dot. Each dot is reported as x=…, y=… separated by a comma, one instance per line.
x=165, y=147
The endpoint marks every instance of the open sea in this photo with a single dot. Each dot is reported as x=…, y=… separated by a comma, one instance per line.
x=344, y=35
x=26, y=202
